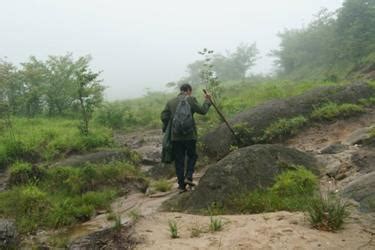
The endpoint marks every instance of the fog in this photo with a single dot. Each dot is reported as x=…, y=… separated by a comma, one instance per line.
x=143, y=44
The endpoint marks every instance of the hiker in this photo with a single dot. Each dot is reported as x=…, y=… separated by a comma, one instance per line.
x=180, y=136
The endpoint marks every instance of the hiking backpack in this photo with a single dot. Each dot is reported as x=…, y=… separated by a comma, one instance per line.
x=183, y=123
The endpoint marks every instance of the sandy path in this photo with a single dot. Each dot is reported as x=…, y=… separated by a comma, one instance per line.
x=280, y=230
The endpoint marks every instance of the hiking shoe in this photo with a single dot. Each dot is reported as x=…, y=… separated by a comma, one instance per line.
x=182, y=190
x=190, y=183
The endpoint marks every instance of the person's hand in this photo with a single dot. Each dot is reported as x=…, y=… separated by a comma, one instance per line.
x=207, y=96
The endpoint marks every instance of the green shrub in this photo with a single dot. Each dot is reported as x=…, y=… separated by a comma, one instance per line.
x=284, y=127
x=330, y=111
x=327, y=213
x=27, y=204
x=111, y=115
x=245, y=133
x=295, y=182
x=162, y=185
x=24, y=173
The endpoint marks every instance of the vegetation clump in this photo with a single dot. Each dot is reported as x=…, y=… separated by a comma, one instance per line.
x=162, y=185
x=330, y=111
x=284, y=127
x=173, y=229
x=327, y=213
x=292, y=191
x=63, y=196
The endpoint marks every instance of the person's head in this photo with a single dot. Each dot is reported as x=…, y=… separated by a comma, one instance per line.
x=186, y=88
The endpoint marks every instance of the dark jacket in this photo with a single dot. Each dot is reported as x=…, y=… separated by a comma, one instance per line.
x=169, y=110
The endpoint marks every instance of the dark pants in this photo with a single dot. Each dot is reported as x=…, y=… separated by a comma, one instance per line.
x=181, y=150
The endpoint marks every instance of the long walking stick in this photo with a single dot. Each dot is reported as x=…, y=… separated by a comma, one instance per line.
x=222, y=117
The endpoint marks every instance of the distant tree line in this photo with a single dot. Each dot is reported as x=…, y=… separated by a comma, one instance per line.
x=59, y=86
x=333, y=46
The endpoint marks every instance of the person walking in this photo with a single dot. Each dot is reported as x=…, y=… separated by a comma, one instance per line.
x=180, y=128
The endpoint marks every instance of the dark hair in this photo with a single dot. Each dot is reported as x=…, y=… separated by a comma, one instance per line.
x=186, y=87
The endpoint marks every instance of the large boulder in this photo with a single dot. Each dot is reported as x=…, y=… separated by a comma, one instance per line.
x=217, y=143
x=243, y=170
x=362, y=190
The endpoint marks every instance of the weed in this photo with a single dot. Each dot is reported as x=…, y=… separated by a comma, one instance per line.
x=162, y=185
x=173, y=229
x=327, y=213
x=135, y=214
x=330, y=111
x=118, y=224
x=284, y=127
x=216, y=224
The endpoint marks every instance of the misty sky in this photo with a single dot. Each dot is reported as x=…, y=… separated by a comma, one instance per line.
x=145, y=44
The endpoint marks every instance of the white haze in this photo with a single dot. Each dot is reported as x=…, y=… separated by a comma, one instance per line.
x=143, y=44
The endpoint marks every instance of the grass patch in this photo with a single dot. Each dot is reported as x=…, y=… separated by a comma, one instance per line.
x=331, y=111
x=64, y=195
x=173, y=230
x=216, y=224
x=292, y=191
x=327, y=213
x=284, y=127
x=162, y=185
x=42, y=139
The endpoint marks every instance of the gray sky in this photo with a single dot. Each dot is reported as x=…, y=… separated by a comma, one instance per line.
x=145, y=44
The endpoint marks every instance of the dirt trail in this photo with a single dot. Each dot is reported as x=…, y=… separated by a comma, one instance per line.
x=280, y=230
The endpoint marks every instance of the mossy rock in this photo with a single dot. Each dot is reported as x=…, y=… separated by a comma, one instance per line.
x=244, y=170
x=218, y=142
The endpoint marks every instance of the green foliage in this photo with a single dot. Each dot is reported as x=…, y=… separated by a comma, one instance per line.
x=173, y=229
x=216, y=224
x=162, y=185
x=90, y=95
x=330, y=111
x=47, y=139
x=331, y=46
x=24, y=173
x=245, y=133
x=65, y=195
x=293, y=191
x=46, y=87
x=327, y=213
x=367, y=102
x=28, y=204
x=295, y=182
x=111, y=115
x=284, y=127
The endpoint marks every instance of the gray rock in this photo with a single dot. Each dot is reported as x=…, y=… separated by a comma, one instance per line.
x=151, y=155
x=362, y=190
x=334, y=149
x=243, y=170
x=358, y=136
x=95, y=157
x=8, y=234
x=364, y=160
x=217, y=143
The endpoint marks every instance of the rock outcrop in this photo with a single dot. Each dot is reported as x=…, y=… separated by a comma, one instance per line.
x=362, y=190
x=217, y=143
x=243, y=170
